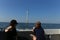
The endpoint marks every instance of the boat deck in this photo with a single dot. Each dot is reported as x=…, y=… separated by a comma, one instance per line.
x=51, y=34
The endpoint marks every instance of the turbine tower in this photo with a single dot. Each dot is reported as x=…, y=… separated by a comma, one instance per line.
x=27, y=17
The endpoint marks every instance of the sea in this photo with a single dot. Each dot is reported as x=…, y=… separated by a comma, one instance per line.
x=31, y=25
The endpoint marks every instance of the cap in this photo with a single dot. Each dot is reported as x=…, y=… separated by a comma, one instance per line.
x=13, y=22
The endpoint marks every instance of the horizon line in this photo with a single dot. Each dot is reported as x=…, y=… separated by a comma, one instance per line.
x=34, y=22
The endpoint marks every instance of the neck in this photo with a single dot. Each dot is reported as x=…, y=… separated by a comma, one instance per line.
x=12, y=26
x=38, y=27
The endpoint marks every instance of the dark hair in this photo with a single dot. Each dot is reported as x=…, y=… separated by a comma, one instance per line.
x=13, y=22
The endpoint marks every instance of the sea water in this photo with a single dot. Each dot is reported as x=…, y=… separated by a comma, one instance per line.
x=31, y=25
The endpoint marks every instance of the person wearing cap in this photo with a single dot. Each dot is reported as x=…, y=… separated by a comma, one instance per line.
x=11, y=30
x=38, y=32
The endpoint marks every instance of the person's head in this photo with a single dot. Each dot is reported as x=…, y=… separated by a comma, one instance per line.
x=13, y=23
x=38, y=24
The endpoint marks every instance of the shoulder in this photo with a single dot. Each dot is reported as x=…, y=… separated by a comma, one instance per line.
x=7, y=29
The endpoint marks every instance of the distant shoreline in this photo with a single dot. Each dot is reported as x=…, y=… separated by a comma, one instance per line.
x=31, y=22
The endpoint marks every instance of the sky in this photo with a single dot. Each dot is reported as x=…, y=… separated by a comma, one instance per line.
x=46, y=11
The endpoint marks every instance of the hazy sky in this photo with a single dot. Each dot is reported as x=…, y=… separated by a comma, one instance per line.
x=46, y=11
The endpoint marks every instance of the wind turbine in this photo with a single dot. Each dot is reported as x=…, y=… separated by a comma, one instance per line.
x=27, y=17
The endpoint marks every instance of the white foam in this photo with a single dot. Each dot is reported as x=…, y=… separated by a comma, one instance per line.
x=47, y=31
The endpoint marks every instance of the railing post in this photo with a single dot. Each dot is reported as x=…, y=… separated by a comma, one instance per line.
x=49, y=37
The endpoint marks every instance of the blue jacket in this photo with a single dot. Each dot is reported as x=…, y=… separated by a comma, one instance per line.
x=39, y=32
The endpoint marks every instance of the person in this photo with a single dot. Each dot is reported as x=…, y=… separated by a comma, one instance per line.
x=39, y=33
x=11, y=30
